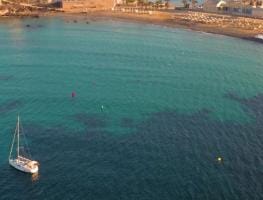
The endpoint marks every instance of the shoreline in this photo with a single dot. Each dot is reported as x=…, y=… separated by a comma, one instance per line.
x=168, y=22
x=172, y=20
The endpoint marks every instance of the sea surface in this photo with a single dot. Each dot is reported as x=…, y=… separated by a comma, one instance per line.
x=154, y=108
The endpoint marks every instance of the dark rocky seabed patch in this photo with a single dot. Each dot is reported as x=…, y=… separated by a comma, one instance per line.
x=9, y=106
x=5, y=78
x=169, y=156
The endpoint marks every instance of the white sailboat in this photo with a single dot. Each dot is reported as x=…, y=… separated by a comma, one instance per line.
x=19, y=161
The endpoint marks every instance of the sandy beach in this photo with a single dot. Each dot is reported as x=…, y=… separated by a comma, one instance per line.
x=234, y=26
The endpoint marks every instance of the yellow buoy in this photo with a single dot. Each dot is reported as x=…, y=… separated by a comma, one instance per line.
x=219, y=159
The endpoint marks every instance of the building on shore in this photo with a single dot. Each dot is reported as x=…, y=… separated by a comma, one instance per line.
x=32, y=2
x=119, y=2
x=143, y=4
x=86, y=5
x=253, y=8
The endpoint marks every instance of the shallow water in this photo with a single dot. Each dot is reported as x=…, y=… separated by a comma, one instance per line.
x=154, y=108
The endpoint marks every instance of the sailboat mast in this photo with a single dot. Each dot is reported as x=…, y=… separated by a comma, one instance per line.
x=12, y=145
x=18, y=136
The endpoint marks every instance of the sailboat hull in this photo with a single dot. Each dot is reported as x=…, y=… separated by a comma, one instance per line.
x=23, y=166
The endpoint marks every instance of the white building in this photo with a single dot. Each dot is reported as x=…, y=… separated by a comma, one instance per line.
x=235, y=7
x=119, y=1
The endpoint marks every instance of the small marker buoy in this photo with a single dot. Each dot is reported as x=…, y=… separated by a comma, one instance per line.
x=219, y=159
x=102, y=107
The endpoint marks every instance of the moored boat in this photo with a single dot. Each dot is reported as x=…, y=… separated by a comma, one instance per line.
x=21, y=162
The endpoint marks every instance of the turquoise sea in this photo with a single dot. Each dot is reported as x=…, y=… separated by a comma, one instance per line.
x=154, y=108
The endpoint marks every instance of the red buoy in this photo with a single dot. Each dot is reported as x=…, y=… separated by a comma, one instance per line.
x=73, y=94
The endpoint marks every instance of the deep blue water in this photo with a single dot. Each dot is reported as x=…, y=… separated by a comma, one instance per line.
x=154, y=109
